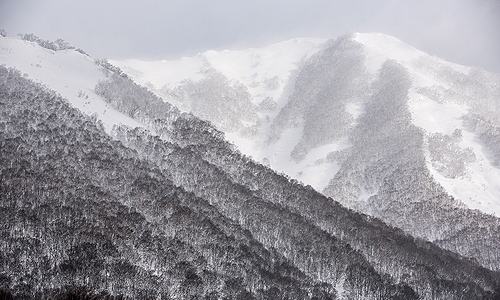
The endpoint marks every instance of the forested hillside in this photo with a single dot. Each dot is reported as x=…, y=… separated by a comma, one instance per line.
x=171, y=210
x=79, y=209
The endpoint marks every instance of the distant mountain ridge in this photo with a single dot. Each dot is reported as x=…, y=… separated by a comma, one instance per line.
x=135, y=197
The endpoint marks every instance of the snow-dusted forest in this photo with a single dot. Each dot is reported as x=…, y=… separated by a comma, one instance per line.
x=108, y=190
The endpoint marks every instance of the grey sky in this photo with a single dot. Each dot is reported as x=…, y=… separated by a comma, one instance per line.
x=461, y=31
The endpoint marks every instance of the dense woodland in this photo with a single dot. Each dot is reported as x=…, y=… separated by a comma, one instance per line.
x=175, y=212
x=79, y=209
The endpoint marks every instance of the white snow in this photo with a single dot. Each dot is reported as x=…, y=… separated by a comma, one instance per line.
x=380, y=47
x=163, y=72
x=264, y=71
x=480, y=188
x=435, y=117
x=67, y=72
x=316, y=170
x=355, y=109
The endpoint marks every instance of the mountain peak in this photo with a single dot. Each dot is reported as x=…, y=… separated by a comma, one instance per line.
x=380, y=47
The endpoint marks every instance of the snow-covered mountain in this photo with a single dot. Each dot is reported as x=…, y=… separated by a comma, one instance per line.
x=368, y=120
x=106, y=185
x=266, y=78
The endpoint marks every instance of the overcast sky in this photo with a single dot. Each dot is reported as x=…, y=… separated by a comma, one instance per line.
x=461, y=31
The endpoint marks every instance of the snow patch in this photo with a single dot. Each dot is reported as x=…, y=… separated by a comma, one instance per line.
x=480, y=187
x=355, y=109
x=380, y=47
x=163, y=72
x=315, y=169
x=435, y=117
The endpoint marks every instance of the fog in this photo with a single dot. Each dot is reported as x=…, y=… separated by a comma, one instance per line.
x=460, y=31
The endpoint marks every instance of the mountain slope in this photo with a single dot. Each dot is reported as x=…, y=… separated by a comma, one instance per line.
x=56, y=70
x=379, y=126
x=170, y=209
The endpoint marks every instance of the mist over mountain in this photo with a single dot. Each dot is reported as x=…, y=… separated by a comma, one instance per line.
x=106, y=185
